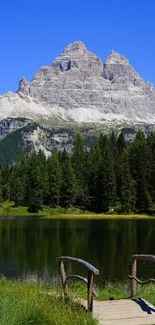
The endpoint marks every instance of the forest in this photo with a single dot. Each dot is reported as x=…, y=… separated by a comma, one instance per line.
x=112, y=177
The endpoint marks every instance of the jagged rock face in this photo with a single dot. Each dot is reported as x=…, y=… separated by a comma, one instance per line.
x=79, y=87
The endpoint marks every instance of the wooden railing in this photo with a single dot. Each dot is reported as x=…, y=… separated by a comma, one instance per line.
x=89, y=281
x=133, y=275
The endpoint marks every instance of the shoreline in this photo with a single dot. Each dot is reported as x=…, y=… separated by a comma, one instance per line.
x=98, y=216
x=7, y=209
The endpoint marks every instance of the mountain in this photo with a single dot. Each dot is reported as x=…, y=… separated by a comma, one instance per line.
x=76, y=93
x=79, y=88
x=22, y=136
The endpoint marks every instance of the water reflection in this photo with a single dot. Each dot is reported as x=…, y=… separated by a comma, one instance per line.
x=29, y=246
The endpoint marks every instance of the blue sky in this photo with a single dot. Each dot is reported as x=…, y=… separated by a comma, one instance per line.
x=33, y=33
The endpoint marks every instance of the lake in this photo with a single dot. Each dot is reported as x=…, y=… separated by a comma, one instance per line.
x=29, y=247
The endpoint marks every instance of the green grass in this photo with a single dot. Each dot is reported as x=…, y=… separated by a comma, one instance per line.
x=77, y=290
x=42, y=304
x=110, y=290
x=90, y=216
x=7, y=209
x=113, y=290
x=23, y=304
x=123, y=291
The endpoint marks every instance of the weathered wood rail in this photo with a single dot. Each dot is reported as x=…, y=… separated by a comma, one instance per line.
x=135, y=311
x=133, y=276
x=88, y=281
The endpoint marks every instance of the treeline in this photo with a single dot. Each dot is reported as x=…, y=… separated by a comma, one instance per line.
x=110, y=177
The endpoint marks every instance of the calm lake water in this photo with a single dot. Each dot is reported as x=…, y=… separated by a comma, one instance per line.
x=29, y=246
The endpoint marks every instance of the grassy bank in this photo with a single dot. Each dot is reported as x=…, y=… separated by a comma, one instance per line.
x=111, y=290
x=22, y=304
x=7, y=209
x=42, y=304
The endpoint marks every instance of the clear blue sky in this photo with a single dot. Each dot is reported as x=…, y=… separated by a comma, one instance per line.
x=33, y=33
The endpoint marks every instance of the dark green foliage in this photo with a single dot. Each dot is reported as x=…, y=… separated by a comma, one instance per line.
x=5, y=174
x=121, y=144
x=16, y=187
x=114, y=146
x=79, y=165
x=126, y=184
x=93, y=164
x=54, y=177
x=1, y=193
x=150, y=164
x=111, y=175
x=138, y=156
x=37, y=182
x=68, y=181
x=106, y=179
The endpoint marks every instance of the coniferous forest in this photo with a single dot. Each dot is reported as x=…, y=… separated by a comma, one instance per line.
x=112, y=176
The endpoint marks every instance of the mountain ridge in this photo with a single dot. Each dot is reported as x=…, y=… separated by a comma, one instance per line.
x=78, y=87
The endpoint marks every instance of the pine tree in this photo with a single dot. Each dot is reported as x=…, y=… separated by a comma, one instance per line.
x=114, y=147
x=54, y=175
x=106, y=182
x=37, y=185
x=68, y=182
x=126, y=185
x=1, y=192
x=5, y=173
x=116, y=159
x=79, y=165
x=121, y=144
x=44, y=178
x=138, y=167
x=94, y=160
x=16, y=186
x=150, y=164
x=144, y=200
x=22, y=174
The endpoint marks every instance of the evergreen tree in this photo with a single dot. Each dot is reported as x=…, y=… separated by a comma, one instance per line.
x=16, y=186
x=93, y=165
x=150, y=164
x=114, y=148
x=22, y=174
x=121, y=144
x=79, y=165
x=116, y=160
x=138, y=167
x=44, y=178
x=5, y=174
x=1, y=192
x=68, y=182
x=37, y=182
x=106, y=182
x=144, y=200
x=126, y=185
x=54, y=175
x=86, y=179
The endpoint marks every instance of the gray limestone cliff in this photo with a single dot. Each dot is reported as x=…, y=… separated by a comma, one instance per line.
x=78, y=87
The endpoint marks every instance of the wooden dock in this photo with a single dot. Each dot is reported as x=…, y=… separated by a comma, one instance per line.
x=123, y=312
x=134, y=311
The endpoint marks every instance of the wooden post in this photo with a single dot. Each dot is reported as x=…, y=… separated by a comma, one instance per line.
x=90, y=291
x=133, y=281
x=63, y=279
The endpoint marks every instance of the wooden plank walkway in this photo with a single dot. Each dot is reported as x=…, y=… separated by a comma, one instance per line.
x=124, y=312
x=113, y=312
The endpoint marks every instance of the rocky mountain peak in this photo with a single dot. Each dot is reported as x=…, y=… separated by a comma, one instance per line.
x=78, y=87
x=119, y=71
x=116, y=58
x=23, y=86
x=76, y=47
x=77, y=59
